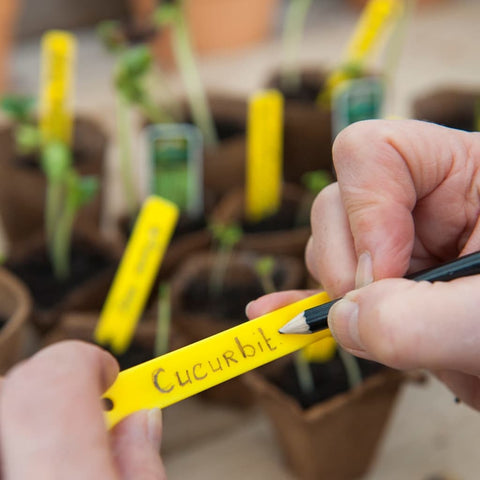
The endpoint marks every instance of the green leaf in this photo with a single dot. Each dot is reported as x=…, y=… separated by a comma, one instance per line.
x=28, y=139
x=56, y=161
x=111, y=35
x=18, y=107
x=317, y=180
x=80, y=190
x=226, y=235
x=265, y=265
x=88, y=187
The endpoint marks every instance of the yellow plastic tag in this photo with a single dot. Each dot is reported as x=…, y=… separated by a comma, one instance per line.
x=136, y=273
x=321, y=351
x=264, y=154
x=56, y=91
x=185, y=372
x=374, y=20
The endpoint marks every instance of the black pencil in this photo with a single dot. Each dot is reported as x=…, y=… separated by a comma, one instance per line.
x=315, y=319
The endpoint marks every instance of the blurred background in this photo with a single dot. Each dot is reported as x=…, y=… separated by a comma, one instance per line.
x=428, y=436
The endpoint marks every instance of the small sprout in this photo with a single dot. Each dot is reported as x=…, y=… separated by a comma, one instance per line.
x=112, y=36
x=28, y=139
x=19, y=108
x=317, y=180
x=264, y=267
x=225, y=237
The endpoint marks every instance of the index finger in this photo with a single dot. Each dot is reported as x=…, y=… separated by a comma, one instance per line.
x=408, y=188
x=52, y=423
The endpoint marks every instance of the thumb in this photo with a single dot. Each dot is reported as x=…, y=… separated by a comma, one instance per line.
x=406, y=324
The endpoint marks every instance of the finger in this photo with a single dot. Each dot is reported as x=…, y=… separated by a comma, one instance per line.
x=274, y=301
x=136, y=444
x=407, y=324
x=330, y=254
x=394, y=172
x=465, y=387
x=52, y=414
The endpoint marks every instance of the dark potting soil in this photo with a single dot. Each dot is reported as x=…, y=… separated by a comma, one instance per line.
x=307, y=92
x=3, y=321
x=284, y=219
x=135, y=355
x=329, y=377
x=230, y=304
x=36, y=272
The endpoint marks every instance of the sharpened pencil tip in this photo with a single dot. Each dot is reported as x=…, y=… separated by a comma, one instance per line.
x=295, y=325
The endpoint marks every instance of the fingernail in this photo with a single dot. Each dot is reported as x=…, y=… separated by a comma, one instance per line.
x=364, y=274
x=249, y=305
x=154, y=427
x=343, y=322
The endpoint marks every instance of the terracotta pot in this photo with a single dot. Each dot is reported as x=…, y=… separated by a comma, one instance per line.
x=307, y=126
x=15, y=310
x=450, y=106
x=8, y=15
x=94, y=263
x=337, y=438
x=81, y=326
x=287, y=239
x=219, y=25
x=198, y=316
x=23, y=185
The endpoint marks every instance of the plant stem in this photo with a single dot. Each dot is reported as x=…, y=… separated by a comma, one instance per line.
x=191, y=78
x=218, y=270
x=62, y=241
x=267, y=283
x=292, y=37
x=54, y=200
x=163, y=320
x=126, y=164
x=352, y=369
x=304, y=373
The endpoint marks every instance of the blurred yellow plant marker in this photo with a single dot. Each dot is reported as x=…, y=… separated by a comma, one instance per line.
x=376, y=17
x=140, y=262
x=189, y=370
x=56, y=90
x=264, y=154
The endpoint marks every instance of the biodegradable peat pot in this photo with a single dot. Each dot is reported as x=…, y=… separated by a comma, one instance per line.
x=93, y=266
x=278, y=234
x=307, y=126
x=199, y=314
x=219, y=25
x=336, y=438
x=23, y=183
x=81, y=326
x=449, y=106
x=15, y=310
x=8, y=15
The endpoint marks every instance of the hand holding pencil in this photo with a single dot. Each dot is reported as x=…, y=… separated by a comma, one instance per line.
x=406, y=200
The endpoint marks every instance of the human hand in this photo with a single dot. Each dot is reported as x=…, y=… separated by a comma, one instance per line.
x=407, y=198
x=52, y=424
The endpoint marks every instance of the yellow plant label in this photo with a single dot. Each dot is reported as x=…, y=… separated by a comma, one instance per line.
x=56, y=91
x=136, y=273
x=374, y=20
x=321, y=351
x=189, y=370
x=264, y=154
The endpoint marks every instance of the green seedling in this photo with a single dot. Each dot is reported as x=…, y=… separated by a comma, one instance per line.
x=264, y=267
x=225, y=238
x=67, y=192
x=295, y=17
x=20, y=110
x=164, y=318
x=171, y=14
x=314, y=183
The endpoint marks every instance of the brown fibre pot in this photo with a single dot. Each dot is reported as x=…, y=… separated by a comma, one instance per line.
x=307, y=126
x=23, y=184
x=335, y=438
x=278, y=234
x=81, y=326
x=198, y=313
x=219, y=25
x=8, y=16
x=15, y=310
x=449, y=106
x=93, y=266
